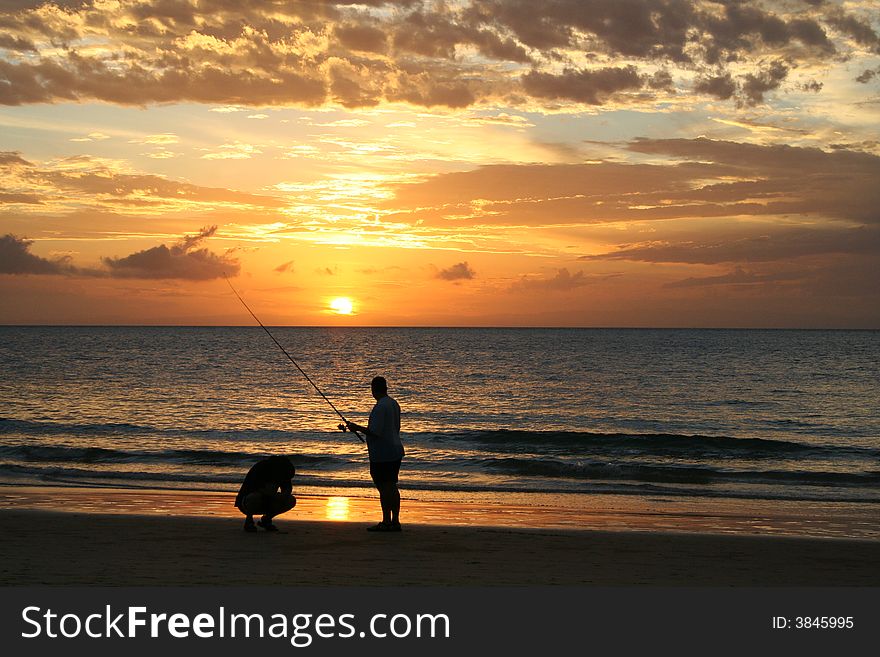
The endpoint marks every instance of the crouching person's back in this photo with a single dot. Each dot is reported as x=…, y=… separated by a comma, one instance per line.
x=267, y=491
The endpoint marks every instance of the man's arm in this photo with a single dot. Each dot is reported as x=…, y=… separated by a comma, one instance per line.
x=352, y=426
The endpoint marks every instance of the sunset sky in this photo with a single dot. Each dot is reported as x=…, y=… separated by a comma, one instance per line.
x=482, y=162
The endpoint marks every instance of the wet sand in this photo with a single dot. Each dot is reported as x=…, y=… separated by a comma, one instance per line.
x=167, y=547
x=593, y=512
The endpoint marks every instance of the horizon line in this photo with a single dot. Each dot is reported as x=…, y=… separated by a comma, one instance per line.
x=448, y=326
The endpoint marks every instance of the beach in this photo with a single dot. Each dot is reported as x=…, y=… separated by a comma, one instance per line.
x=147, y=538
x=559, y=456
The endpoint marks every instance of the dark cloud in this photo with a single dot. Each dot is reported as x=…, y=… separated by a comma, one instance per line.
x=86, y=78
x=438, y=33
x=16, y=258
x=430, y=35
x=755, y=85
x=17, y=43
x=309, y=52
x=752, y=86
x=743, y=28
x=635, y=28
x=181, y=261
x=720, y=86
x=286, y=267
x=661, y=80
x=592, y=87
x=853, y=26
x=494, y=46
x=867, y=75
x=423, y=89
x=810, y=33
x=457, y=272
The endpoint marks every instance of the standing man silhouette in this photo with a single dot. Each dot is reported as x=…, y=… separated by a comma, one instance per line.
x=386, y=453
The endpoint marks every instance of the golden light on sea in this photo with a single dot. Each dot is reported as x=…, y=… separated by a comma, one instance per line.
x=342, y=306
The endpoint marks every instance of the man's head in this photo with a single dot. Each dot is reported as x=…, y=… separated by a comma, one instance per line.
x=379, y=387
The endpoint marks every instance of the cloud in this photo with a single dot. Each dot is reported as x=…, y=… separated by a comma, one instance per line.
x=13, y=197
x=16, y=258
x=286, y=267
x=92, y=136
x=365, y=38
x=233, y=151
x=860, y=30
x=867, y=75
x=369, y=271
x=784, y=244
x=13, y=158
x=461, y=271
x=721, y=86
x=738, y=276
x=164, y=139
x=700, y=178
x=183, y=260
x=69, y=184
x=359, y=54
x=757, y=84
x=562, y=281
x=162, y=154
x=592, y=87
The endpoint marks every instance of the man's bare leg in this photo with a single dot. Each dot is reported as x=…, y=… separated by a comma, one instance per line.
x=389, y=498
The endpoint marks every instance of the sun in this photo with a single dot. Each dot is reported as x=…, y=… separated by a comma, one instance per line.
x=342, y=306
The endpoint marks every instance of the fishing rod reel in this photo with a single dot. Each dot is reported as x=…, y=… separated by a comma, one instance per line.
x=344, y=429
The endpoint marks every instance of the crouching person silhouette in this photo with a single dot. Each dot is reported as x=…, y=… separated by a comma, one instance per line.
x=267, y=490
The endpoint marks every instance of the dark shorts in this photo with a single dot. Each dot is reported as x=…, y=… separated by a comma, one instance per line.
x=272, y=504
x=385, y=472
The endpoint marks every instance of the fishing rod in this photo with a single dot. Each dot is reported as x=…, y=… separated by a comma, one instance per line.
x=343, y=427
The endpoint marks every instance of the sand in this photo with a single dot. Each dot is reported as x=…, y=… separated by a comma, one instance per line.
x=121, y=549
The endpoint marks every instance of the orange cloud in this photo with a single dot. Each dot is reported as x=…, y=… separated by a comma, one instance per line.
x=461, y=271
x=705, y=178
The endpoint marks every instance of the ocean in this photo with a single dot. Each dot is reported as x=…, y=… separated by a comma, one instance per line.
x=494, y=414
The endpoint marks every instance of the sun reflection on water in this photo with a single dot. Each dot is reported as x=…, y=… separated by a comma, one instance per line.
x=337, y=508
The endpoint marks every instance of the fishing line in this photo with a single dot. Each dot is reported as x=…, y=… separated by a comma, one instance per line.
x=290, y=358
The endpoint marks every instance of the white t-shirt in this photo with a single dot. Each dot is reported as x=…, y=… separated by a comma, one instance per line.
x=385, y=423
